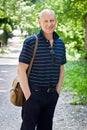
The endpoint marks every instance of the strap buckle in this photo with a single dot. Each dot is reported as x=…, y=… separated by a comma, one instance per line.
x=50, y=90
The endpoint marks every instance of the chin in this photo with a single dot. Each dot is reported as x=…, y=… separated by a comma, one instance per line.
x=49, y=32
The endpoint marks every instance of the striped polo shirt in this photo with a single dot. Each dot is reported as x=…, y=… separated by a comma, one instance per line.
x=45, y=71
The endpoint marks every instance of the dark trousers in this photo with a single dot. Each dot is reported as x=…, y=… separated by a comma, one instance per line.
x=38, y=110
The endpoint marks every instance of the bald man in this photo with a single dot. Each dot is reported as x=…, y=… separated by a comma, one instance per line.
x=41, y=89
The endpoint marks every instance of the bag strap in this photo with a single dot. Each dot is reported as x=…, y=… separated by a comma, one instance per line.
x=34, y=52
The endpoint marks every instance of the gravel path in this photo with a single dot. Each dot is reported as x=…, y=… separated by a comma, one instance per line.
x=69, y=117
x=66, y=117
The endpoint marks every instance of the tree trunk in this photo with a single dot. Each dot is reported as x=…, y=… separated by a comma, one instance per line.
x=5, y=37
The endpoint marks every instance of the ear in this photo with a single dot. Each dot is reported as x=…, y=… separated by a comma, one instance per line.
x=39, y=22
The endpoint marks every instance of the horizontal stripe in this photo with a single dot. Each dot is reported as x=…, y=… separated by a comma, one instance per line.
x=44, y=71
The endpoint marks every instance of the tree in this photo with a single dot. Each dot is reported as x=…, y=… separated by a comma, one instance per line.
x=5, y=19
x=70, y=26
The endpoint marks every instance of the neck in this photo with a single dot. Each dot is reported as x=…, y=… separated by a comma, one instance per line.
x=50, y=38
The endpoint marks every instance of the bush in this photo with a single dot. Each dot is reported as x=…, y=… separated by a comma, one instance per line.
x=76, y=80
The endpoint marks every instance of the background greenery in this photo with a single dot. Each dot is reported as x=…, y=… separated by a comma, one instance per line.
x=71, y=27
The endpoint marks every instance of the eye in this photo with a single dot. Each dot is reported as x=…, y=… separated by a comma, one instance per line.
x=45, y=21
x=51, y=20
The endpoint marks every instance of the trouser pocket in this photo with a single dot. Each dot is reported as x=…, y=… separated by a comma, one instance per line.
x=30, y=113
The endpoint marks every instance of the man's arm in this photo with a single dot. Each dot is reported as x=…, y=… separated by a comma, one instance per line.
x=22, y=67
x=61, y=78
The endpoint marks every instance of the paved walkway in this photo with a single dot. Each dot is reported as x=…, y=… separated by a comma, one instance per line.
x=66, y=117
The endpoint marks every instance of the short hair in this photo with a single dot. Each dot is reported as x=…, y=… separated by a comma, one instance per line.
x=46, y=11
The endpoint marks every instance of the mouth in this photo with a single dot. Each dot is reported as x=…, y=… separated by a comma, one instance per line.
x=50, y=28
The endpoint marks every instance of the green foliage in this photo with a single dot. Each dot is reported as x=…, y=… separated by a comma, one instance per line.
x=76, y=80
x=23, y=14
x=0, y=38
x=4, y=50
x=70, y=16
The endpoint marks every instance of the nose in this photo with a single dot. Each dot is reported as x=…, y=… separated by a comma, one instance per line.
x=49, y=23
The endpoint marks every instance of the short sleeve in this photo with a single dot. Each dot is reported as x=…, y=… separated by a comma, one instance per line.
x=26, y=52
x=64, y=56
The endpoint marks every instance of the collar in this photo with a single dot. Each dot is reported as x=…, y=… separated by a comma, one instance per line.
x=55, y=35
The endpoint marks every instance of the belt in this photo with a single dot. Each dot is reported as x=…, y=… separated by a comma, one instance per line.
x=51, y=90
x=48, y=90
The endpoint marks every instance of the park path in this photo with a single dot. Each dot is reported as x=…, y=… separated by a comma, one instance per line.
x=66, y=117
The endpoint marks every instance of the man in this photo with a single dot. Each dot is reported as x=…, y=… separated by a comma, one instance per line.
x=41, y=90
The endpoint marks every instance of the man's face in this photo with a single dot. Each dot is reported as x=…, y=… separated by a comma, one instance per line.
x=47, y=22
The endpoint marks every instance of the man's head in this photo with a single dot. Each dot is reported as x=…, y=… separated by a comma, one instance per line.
x=47, y=21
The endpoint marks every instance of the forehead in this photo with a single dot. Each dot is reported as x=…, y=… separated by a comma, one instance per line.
x=47, y=14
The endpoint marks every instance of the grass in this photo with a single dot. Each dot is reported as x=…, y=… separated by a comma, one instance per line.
x=75, y=76
x=76, y=80
x=4, y=50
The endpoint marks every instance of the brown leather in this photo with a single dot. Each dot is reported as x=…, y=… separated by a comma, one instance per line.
x=16, y=94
